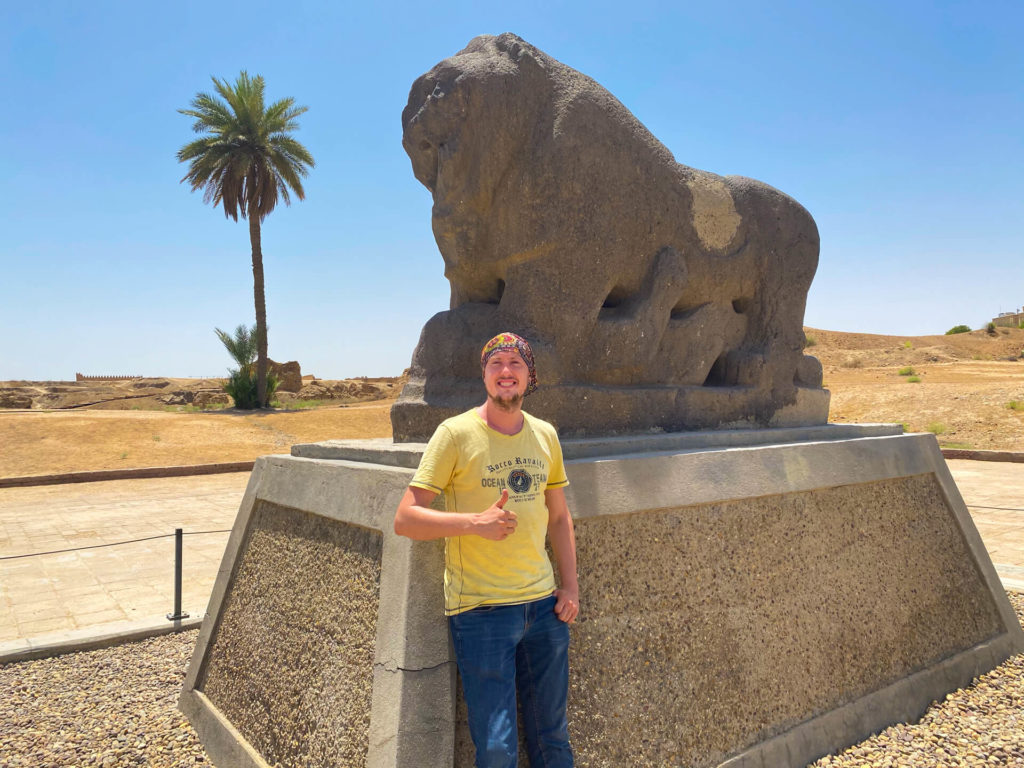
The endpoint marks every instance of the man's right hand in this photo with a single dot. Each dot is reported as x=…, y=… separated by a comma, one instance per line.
x=496, y=522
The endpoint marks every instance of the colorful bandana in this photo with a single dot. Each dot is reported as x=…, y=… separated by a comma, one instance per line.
x=510, y=341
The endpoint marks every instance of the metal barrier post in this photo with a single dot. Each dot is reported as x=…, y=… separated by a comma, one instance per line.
x=177, y=578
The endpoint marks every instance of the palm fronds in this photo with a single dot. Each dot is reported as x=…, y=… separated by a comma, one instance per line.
x=246, y=157
x=242, y=347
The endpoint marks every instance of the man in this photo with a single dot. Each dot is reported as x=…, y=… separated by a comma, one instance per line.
x=502, y=476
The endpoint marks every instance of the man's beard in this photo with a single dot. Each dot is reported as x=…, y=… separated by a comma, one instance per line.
x=506, y=403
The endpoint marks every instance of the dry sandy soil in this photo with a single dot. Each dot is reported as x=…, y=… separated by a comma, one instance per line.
x=966, y=384
x=75, y=426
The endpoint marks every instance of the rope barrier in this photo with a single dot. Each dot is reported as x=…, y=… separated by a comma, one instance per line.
x=109, y=544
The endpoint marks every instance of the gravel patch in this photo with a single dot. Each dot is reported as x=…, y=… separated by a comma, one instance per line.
x=112, y=707
x=117, y=707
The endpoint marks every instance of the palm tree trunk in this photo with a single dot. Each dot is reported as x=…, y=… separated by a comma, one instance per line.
x=261, y=308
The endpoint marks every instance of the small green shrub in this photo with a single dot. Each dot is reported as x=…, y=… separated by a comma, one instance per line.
x=304, y=404
x=937, y=428
x=905, y=425
x=958, y=329
x=809, y=341
x=906, y=371
x=241, y=385
x=156, y=438
x=907, y=345
x=914, y=379
x=991, y=327
x=1016, y=405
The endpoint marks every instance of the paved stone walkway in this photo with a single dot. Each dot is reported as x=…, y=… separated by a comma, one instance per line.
x=994, y=494
x=63, y=595
x=129, y=583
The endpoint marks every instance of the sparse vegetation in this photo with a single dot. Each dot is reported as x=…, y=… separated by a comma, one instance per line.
x=964, y=446
x=991, y=328
x=914, y=379
x=242, y=384
x=304, y=404
x=856, y=362
x=809, y=341
x=190, y=409
x=906, y=371
x=958, y=329
x=156, y=438
x=937, y=428
x=907, y=345
x=195, y=408
x=1016, y=405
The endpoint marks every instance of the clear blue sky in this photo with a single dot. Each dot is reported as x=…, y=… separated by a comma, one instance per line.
x=899, y=125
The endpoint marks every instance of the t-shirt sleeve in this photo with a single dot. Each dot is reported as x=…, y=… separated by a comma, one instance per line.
x=556, y=476
x=438, y=462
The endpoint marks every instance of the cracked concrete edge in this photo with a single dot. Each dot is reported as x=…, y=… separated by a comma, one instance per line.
x=905, y=700
x=388, y=667
x=94, y=638
x=412, y=719
x=137, y=473
x=412, y=714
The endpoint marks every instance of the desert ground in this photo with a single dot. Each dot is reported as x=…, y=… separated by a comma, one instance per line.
x=966, y=388
x=78, y=426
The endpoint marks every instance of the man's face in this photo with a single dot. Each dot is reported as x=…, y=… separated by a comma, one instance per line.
x=506, y=378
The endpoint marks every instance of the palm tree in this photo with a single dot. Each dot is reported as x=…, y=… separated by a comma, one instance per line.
x=244, y=160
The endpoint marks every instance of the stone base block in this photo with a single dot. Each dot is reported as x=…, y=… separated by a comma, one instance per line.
x=746, y=602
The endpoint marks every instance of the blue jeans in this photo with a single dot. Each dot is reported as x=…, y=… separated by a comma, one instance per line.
x=504, y=648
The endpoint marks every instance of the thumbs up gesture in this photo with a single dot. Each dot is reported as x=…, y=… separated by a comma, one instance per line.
x=496, y=522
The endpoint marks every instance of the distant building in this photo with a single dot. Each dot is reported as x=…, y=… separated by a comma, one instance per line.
x=1009, y=319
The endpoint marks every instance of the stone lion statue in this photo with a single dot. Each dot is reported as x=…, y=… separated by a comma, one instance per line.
x=656, y=296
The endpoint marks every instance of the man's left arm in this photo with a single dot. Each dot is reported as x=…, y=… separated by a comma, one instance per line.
x=563, y=541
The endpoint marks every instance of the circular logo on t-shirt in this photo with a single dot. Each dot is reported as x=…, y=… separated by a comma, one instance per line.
x=519, y=481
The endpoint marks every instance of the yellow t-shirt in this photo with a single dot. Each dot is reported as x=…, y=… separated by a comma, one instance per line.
x=470, y=463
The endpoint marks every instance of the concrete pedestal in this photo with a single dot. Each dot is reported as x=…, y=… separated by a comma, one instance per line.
x=750, y=598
